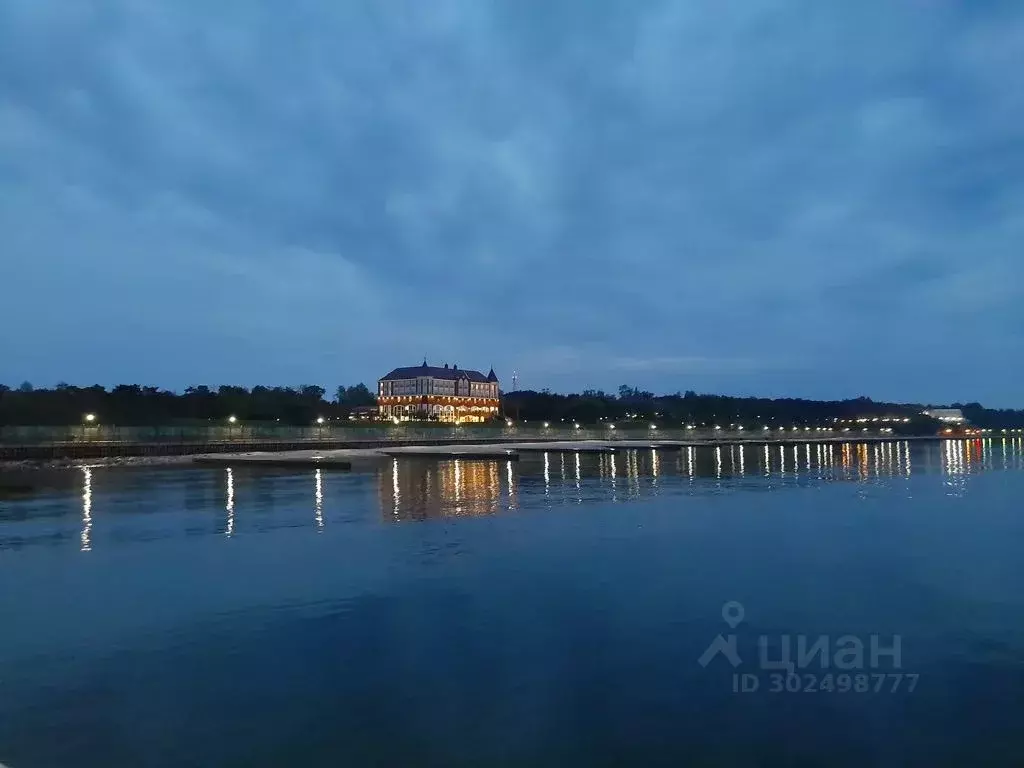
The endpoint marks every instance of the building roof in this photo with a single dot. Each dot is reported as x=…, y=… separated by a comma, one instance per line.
x=413, y=371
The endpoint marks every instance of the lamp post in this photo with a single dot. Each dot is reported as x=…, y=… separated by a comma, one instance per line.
x=320, y=427
x=87, y=420
x=231, y=426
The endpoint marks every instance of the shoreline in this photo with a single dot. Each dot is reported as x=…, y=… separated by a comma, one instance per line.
x=372, y=451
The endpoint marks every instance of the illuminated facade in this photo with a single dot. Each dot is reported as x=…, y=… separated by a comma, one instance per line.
x=947, y=415
x=441, y=394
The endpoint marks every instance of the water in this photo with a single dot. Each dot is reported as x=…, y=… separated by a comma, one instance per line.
x=545, y=612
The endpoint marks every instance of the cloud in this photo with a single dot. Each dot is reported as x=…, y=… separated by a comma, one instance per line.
x=321, y=191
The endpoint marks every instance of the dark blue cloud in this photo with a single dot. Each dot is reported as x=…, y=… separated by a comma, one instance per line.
x=772, y=197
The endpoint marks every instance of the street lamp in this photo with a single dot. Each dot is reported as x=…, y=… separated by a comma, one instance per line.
x=88, y=418
x=320, y=427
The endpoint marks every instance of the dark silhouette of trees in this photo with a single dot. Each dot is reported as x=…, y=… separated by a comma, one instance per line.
x=633, y=405
x=135, y=405
x=132, y=404
x=355, y=396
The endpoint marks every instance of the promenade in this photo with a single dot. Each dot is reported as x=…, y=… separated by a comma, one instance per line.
x=110, y=443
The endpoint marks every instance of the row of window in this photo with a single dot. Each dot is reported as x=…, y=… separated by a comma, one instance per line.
x=429, y=386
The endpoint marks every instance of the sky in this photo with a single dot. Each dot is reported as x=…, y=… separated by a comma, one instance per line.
x=750, y=197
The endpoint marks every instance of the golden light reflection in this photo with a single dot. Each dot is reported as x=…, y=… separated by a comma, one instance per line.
x=689, y=461
x=229, y=506
x=86, y=509
x=318, y=500
x=424, y=490
x=396, y=494
x=654, y=465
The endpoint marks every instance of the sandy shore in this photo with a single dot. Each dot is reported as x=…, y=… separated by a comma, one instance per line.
x=113, y=461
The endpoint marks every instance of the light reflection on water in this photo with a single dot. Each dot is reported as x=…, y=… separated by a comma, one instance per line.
x=417, y=489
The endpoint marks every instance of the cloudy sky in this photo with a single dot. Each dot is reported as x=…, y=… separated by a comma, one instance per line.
x=774, y=197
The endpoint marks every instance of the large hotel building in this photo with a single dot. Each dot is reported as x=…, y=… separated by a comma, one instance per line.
x=443, y=394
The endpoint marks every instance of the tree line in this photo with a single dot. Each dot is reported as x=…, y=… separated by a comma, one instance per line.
x=631, y=404
x=132, y=404
x=135, y=405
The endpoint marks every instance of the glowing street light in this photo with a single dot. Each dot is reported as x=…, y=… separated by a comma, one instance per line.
x=319, y=419
x=508, y=422
x=575, y=425
x=546, y=425
x=611, y=426
x=654, y=426
x=232, y=419
x=90, y=417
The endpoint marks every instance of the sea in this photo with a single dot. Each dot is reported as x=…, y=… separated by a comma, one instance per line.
x=805, y=604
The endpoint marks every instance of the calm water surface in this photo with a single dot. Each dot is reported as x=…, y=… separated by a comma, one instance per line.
x=551, y=611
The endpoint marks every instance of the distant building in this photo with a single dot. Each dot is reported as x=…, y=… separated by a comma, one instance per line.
x=363, y=413
x=947, y=415
x=442, y=394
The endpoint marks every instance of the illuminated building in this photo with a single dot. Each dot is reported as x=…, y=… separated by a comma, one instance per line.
x=947, y=415
x=442, y=394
